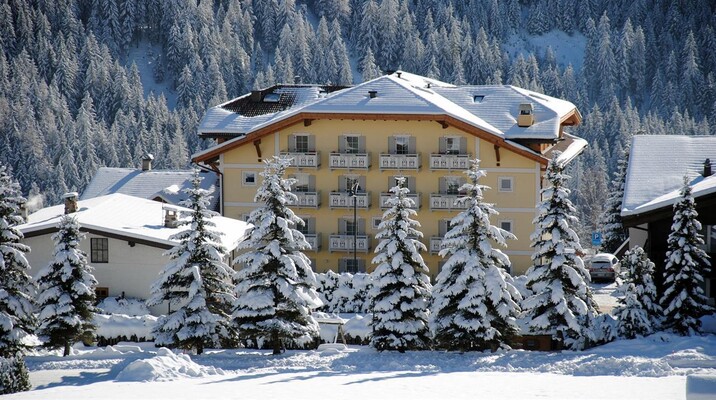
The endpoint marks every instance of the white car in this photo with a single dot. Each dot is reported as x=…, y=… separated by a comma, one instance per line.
x=603, y=266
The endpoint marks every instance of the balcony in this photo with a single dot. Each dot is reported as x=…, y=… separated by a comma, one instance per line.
x=344, y=242
x=349, y=160
x=400, y=161
x=436, y=244
x=443, y=201
x=384, y=196
x=314, y=239
x=307, y=200
x=303, y=160
x=345, y=200
x=449, y=161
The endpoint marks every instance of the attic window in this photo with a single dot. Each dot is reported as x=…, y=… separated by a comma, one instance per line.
x=272, y=98
x=478, y=98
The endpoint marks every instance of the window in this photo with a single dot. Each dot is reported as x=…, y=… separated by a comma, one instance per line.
x=302, y=144
x=506, y=225
x=452, y=145
x=248, y=178
x=101, y=293
x=352, y=266
x=453, y=185
x=478, y=98
x=402, y=145
x=376, y=222
x=504, y=184
x=525, y=112
x=99, y=250
x=352, y=144
x=302, y=183
x=350, y=227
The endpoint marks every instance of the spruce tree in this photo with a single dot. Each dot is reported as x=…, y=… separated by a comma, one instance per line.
x=561, y=303
x=683, y=300
x=401, y=291
x=475, y=304
x=66, y=291
x=16, y=305
x=276, y=289
x=614, y=233
x=638, y=312
x=197, y=281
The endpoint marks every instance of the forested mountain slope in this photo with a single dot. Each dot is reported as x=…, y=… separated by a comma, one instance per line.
x=70, y=102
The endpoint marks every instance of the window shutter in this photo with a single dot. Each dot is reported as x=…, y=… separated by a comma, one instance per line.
x=412, y=145
x=342, y=183
x=342, y=144
x=411, y=183
x=443, y=145
x=342, y=226
x=362, y=183
x=311, y=224
x=442, y=227
x=311, y=183
x=391, y=145
x=361, y=226
x=463, y=145
x=311, y=143
x=361, y=144
x=443, y=185
x=291, y=143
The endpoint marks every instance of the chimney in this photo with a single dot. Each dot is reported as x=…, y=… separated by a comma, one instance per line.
x=707, y=168
x=171, y=219
x=372, y=93
x=23, y=212
x=398, y=73
x=526, y=116
x=147, y=162
x=70, y=202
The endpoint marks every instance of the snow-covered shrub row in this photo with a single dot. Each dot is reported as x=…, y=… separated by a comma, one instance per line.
x=114, y=328
x=345, y=292
x=123, y=305
x=14, y=376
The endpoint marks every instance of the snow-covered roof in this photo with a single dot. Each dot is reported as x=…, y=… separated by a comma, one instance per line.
x=164, y=184
x=493, y=109
x=128, y=216
x=657, y=166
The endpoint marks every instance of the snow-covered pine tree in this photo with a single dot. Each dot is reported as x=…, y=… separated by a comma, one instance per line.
x=401, y=287
x=638, y=312
x=16, y=306
x=562, y=303
x=475, y=304
x=276, y=289
x=684, y=301
x=65, y=295
x=197, y=280
x=614, y=233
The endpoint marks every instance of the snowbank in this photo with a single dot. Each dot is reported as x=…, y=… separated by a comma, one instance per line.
x=165, y=366
x=700, y=387
x=123, y=305
x=124, y=327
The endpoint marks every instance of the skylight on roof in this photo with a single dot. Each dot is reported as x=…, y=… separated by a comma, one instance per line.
x=272, y=98
x=478, y=98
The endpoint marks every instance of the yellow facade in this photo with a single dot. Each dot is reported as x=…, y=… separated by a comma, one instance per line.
x=241, y=165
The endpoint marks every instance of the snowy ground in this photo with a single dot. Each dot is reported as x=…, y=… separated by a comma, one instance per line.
x=652, y=368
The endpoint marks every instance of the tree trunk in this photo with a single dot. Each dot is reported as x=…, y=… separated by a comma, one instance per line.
x=199, y=348
x=276, y=342
x=67, y=349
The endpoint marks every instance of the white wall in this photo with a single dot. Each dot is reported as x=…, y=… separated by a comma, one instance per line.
x=131, y=270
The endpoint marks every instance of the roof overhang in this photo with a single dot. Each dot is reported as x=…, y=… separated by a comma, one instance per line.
x=109, y=234
x=706, y=201
x=443, y=119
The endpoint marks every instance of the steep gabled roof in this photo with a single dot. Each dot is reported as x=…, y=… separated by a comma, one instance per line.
x=407, y=96
x=657, y=166
x=127, y=217
x=164, y=184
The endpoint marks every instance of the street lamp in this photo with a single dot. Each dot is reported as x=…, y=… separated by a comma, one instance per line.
x=354, y=194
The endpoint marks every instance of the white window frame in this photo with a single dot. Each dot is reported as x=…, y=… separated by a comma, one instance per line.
x=450, y=143
x=501, y=179
x=349, y=148
x=451, y=182
x=402, y=144
x=245, y=175
x=507, y=221
x=297, y=148
x=302, y=179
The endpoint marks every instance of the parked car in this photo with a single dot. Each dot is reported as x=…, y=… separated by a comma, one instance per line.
x=603, y=266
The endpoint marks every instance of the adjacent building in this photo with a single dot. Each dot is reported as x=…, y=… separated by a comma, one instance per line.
x=349, y=144
x=655, y=177
x=126, y=238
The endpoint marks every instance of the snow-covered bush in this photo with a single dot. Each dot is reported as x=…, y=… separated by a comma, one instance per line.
x=14, y=376
x=115, y=328
x=123, y=305
x=344, y=292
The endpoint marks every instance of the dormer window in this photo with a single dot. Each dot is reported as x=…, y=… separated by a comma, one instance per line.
x=272, y=98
